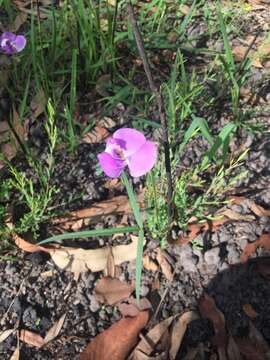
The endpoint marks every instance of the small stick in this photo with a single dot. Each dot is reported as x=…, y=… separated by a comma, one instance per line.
x=161, y=107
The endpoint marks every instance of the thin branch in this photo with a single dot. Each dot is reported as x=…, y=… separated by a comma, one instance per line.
x=160, y=104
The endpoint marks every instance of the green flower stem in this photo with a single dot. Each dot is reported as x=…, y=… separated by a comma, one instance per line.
x=138, y=217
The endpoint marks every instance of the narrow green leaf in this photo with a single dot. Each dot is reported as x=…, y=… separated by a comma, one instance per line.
x=90, y=233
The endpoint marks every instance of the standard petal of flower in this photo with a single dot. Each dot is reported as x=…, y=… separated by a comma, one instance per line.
x=143, y=160
x=132, y=140
x=110, y=166
x=20, y=43
x=8, y=36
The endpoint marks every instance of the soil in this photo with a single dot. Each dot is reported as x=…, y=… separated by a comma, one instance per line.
x=35, y=293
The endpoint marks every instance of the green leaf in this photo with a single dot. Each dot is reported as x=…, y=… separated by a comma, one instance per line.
x=132, y=199
x=90, y=233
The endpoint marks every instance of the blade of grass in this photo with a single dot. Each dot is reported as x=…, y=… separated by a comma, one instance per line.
x=90, y=233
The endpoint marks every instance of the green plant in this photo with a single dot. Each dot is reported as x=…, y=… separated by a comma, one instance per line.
x=37, y=198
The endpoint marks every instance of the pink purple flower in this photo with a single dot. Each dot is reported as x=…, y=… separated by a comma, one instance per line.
x=128, y=147
x=11, y=43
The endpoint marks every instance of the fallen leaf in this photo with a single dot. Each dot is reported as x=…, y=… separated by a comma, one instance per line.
x=132, y=307
x=16, y=354
x=264, y=241
x=165, y=266
x=54, y=331
x=233, y=215
x=253, y=347
x=110, y=268
x=47, y=274
x=195, y=229
x=258, y=210
x=111, y=291
x=153, y=338
x=39, y=103
x=31, y=338
x=178, y=331
x=249, y=311
x=27, y=246
x=149, y=264
x=96, y=135
x=117, y=341
x=208, y=309
x=76, y=219
x=232, y=350
x=263, y=268
x=5, y=334
x=80, y=260
x=18, y=22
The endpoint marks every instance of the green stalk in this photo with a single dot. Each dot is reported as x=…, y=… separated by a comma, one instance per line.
x=138, y=217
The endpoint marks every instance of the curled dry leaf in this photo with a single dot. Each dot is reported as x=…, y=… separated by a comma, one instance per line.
x=258, y=210
x=264, y=241
x=111, y=291
x=117, y=341
x=31, y=338
x=132, y=307
x=208, y=309
x=149, y=264
x=178, y=331
x=153, y=337
x=80, y=260
x=164, y=264
x=5, y=334
x=75, y=220
x=18, y=22
x=249, y=311
x=54, y=331
x=39, y=103
x=96, y=135
x=195, y=229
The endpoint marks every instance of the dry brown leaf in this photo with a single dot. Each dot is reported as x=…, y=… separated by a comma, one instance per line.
x=232, y=350
x=149, y=264
x=178, y=331
x=153, y=338
x=27, y=246
x=264, y=241
x=117, y=341
x=258, y=210
x=111, y=291
x=96, y=135
x=80, y=260
x=5, y=334
x=195, y=229
x=165, y=266
x=233, y=215
x=132, y=307
x=54, y=331
x=18, y=22
x=254, y=347
x=16, y=354
x=110, y=268
x=239, y=52
x=31, y=338
x=208, y=309
x=76, y=219
x=249, y=311
x=263, y=268
x=39, y=103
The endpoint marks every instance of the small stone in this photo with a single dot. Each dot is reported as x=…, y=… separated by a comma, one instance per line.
x=211, y=257
x=94, y=304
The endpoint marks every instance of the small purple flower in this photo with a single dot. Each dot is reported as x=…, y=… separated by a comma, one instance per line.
x=128, y=147
x=11, y=43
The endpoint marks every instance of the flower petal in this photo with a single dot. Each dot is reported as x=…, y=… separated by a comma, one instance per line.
x=20, y=43
x=8, y=36
x=132, y=140
x=111, y=167
x=143, y=160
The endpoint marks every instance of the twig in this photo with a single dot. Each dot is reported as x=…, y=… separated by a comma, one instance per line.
x=161, y=107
